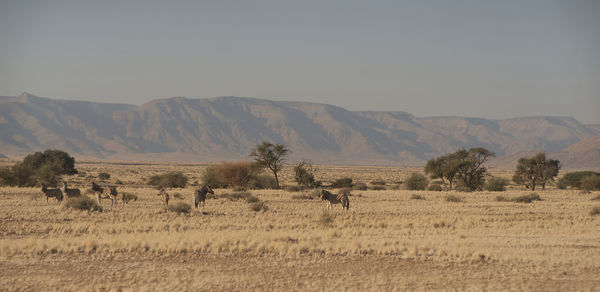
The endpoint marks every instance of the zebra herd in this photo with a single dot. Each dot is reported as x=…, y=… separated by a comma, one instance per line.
x=199, y=195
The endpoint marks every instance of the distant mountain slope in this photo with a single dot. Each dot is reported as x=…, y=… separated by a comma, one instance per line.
x=226, y=128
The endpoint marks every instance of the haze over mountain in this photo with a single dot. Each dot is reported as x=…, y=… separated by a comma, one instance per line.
x=227, y=128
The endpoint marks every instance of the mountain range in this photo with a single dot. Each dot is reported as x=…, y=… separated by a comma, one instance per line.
x=227, y=128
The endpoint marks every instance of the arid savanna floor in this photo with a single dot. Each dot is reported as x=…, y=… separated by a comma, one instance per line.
x=389, y=240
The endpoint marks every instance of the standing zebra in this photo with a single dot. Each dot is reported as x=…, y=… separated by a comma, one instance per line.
x=98, y=190
x=55, y=193
x=335, y=199
x=114, y=195
x=165, y=196
x=71, y=193
x=201, y=195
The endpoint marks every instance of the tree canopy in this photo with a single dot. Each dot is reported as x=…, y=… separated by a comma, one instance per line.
x=271, y=156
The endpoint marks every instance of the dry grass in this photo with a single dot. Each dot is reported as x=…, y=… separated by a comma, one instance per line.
x=443, y=241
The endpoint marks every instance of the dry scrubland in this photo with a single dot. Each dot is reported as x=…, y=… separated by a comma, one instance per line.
x=389, y=240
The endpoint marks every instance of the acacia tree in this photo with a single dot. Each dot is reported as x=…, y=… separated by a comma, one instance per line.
x=469, y=166
x=442, y=167
x=271, y=156
x=536, y=170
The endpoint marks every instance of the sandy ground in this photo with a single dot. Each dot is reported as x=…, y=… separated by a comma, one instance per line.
x=243, y=273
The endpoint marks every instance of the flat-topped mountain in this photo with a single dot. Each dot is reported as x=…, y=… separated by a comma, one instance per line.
x=227, y=128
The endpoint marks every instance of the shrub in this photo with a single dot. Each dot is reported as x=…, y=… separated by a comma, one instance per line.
x=590, y=183
x=303, y=173
x=172, y=179
x=501, y=199
x=528, y=198
x=41, y=167
x=128, y=197
x=103, y=176
x=210, y=177
x=434, y=187
x=237, y=174
x=326, y=218
x=378, y=182
x=595, y=211
x=259, y=206
x=496, y=184
x=378, y=188
x=83, y=203
x=417, y=197
x=454, y=199
x=416, y=181
x=294, y=188
x=345, y=182
x=360, y=186
x=179, y=207
x=252, y=199
x=259, y=182
x=236, y=196
x=573, y=179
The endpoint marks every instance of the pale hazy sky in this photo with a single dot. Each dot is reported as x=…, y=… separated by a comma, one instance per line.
x=492, y=59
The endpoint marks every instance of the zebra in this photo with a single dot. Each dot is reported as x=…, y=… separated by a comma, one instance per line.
x=98, y=190
x=114, y=195
x=165, y=196
x=335, y=199
x=71, y=193
x=55, y=193
x=201, y=195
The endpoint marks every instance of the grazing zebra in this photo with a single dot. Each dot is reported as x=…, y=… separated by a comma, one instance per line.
x=165, y=196
x=336, y=199
x=71, y=193
x=54, y=193
x=201, y=195
x=98, y=190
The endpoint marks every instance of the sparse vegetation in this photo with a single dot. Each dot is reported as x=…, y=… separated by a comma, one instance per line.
x=453, y=198
x=104, y=176
x=378, y=182
x=434, y=187
x=595, y=211
x=326, y=218
x=528, y=198
x=416, y=181
x=235, y=196
x=83, y=203
x=596, y=198
x=179, y=207
x=417, y=197
x=378, y=188
x=259, y=206
x=360, y=186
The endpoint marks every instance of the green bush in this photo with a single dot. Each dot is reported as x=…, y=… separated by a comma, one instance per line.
x=173, y=179
x=416, y=181
x=573, y=179
x=261, y=182
x=39, y=168
x=528, y=198
x=83, y=203
x=345, y=182
x=590, y=183
x=496, y=184
x=179, y=207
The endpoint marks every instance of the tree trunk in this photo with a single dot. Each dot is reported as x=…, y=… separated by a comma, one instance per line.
x=276, y=180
